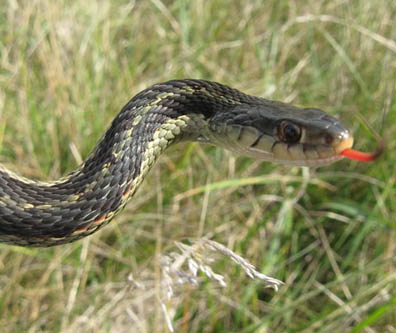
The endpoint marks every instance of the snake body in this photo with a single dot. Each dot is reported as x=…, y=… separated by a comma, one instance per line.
x=51, y=213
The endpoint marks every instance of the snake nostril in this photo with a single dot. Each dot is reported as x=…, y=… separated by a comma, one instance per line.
x=328, y=139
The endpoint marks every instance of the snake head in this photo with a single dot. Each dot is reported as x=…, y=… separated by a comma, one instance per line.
x=281, y=133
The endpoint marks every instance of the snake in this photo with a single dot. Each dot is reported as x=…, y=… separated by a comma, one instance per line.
x=42, y=214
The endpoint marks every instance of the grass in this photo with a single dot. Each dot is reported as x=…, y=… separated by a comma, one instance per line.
x=67, y=67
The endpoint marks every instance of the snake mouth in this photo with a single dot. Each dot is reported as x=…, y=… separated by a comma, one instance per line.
x=345, y=143
x=316, y=146
x=299, y=154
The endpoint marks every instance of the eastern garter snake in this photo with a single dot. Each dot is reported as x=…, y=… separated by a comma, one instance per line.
x=50, y=213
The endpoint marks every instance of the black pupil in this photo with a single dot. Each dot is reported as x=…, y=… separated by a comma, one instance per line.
x=291, y=133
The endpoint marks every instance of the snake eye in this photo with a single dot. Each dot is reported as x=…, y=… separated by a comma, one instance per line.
x=289, y=132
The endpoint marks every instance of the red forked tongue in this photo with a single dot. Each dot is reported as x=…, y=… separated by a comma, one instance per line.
x=361, y=156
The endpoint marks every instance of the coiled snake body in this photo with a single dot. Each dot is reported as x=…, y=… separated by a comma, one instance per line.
x=51, y=213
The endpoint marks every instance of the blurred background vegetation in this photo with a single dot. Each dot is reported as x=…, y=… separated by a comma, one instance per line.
x=67, y=67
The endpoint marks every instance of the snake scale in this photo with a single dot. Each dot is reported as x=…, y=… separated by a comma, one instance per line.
x=44, y=214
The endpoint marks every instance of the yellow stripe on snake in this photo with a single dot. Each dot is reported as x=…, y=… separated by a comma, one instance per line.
x=51, y=213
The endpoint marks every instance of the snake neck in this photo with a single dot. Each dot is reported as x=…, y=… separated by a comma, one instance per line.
x=46, y=214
